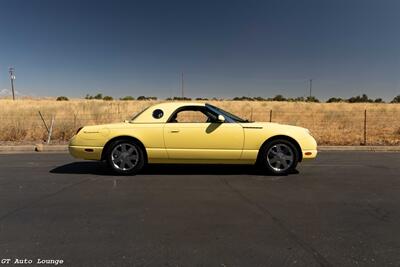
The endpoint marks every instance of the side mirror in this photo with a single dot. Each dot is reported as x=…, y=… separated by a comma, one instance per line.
x=221, y=118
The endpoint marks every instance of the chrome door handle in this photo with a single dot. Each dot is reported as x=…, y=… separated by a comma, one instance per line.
x=174, y=131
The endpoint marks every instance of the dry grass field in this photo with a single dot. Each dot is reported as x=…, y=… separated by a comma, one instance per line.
x=330, y=123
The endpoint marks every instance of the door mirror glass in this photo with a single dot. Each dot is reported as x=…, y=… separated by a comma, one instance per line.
x=221, y=118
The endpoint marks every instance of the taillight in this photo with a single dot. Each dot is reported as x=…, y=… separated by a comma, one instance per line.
x=80, y=128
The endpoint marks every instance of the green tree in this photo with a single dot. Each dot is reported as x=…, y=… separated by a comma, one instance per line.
x=62, y=98
x=88, y=96
x=334, y=100
x=396, y=99
x=107, y=98
x=299, y=99
x=279, y=98
x=98, y=96
x=181, y=98
x=360, y=99
x=127, y=98
x=243, y=98
x=312, y=99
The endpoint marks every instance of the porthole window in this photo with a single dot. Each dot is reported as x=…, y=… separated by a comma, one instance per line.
x=158, y=113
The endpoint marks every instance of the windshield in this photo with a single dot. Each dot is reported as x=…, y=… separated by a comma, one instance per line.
x=228, y=114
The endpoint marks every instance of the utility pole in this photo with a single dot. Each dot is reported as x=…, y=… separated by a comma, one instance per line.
x=310, y=88
x=11, y=70
x=182, y=86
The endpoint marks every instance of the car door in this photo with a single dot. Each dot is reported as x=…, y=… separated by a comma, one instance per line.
x=193, y=133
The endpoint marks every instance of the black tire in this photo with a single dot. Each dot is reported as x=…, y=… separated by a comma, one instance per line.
x=278, y=162
x=121, y=161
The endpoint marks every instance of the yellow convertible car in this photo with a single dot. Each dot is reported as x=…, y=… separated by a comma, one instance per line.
x=177, y=132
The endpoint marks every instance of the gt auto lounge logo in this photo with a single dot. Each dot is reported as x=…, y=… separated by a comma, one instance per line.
x=25, y=261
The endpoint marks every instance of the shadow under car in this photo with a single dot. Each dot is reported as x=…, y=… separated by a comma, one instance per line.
x=101, y=168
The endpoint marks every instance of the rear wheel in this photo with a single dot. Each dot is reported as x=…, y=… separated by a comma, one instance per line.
x=279, y=157
x=125, y=157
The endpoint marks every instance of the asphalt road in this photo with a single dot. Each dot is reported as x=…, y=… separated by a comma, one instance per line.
x=341, y=210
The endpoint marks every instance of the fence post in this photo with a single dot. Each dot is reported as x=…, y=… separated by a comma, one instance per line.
x=270, y=115
x=44, y=122
x=50, y=130
x=365, y=127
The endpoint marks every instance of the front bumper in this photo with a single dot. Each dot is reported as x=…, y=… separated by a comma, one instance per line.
x=309, y=147
x=310, y=154
x=84, y=152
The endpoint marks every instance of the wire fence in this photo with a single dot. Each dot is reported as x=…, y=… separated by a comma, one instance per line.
x=360, y=127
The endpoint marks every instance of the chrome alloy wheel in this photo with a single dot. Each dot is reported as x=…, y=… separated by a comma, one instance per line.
x=124, y=156
x=280, y=157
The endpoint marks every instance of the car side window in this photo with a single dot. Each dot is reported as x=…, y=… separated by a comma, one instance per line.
x=192, y=115
x=158, y=113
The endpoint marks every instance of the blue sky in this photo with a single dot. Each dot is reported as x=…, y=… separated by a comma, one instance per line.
x=225, y=48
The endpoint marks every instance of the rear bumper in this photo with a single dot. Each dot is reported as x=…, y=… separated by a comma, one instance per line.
x=84, y=152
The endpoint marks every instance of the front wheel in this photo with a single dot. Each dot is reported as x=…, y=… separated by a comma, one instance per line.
x=279, y=157
x=125, y=157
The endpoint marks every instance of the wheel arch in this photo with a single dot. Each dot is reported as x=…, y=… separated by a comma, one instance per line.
x=282, y=137
x=123, y=137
